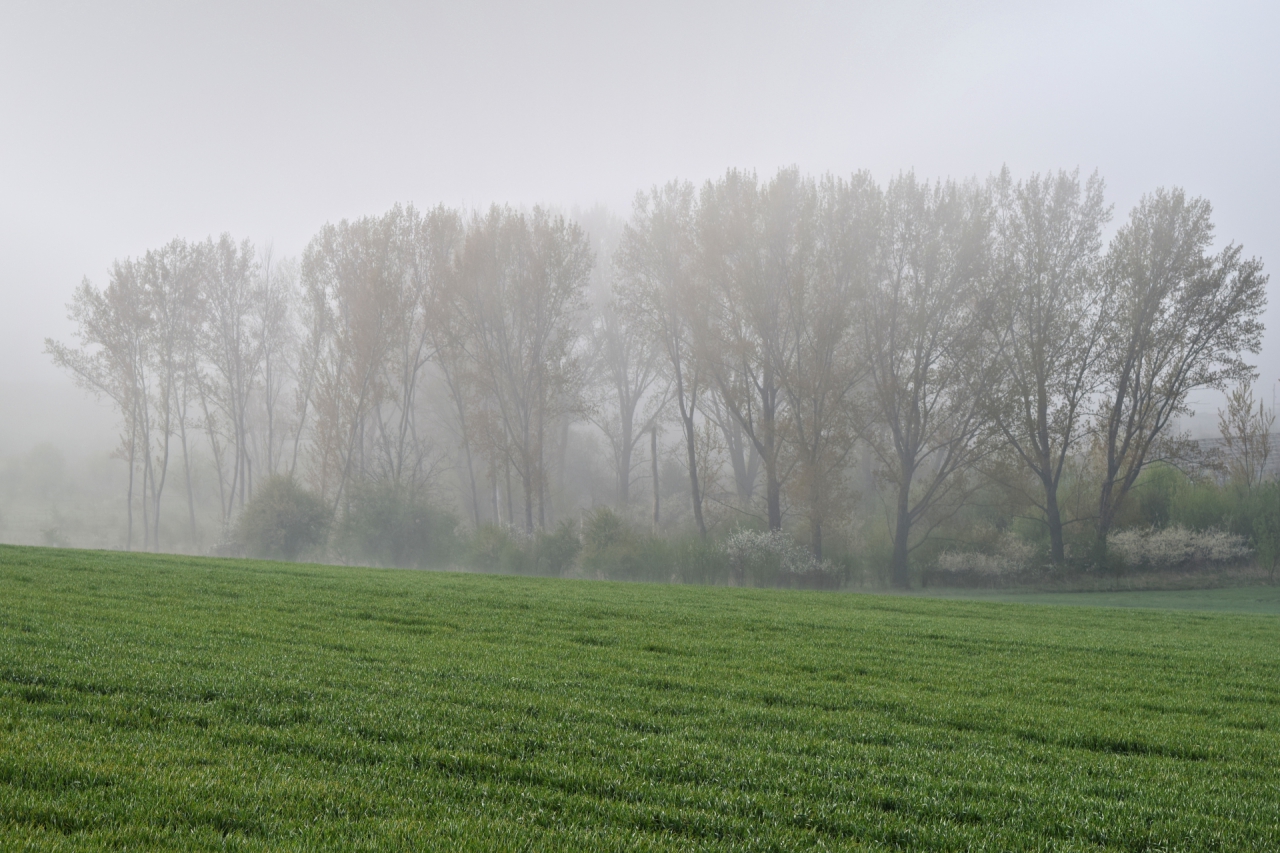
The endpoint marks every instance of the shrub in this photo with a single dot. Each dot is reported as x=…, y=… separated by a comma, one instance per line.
x=611, y=549
x=774, y=559
x=689, y=559
x=1258, y=518
x=495, y=548
x=1175, y=547
x=556, y=551
x=283, y=521
x=1202, y=506
x=388, y=525
x=1151, y=501
x=1012, y=555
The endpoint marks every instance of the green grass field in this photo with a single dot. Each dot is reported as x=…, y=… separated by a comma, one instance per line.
x=1248, y=599
x=181, y=703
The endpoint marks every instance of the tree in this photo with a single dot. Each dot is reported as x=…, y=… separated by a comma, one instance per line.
x=420, y=269
x=625, y=362
x=743, y=458
x=112, y=360
x=171, y=278
x=283, y=521
x=826, y=367
x=656, y=263
x=1048, y=263
x=1246, y=436
x=756, y=245
x=273, y=328
x=352, y=278
x=521, y=285
x=439, y=243
x=627, y=365
x=233, y=355
x=932, y=339
x=1183, y=317
x=448, y=338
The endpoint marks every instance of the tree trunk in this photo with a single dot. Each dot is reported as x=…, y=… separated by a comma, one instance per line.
x=511, y=498
x=696, y=492
x=653, y=461
x=471, y=479
x=526, y=482
x=900, y=577
x=159, y=492
x=1053, y=515
x=494, y=493
x=146, y=501
x=741, y=458
x=1106, y=508
x=133, y=443
x=773, y=494
x=624, y=470
x=186, y=472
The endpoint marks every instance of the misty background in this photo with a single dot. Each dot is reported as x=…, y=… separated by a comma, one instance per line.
x=123, y=128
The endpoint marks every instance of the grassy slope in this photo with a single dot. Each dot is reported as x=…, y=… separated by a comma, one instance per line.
x=190, y=703
x=1247, y=599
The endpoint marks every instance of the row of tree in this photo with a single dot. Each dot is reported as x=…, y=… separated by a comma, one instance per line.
x=949, y=329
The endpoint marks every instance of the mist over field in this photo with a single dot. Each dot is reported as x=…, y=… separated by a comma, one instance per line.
x=128, y=127
x=724, y=426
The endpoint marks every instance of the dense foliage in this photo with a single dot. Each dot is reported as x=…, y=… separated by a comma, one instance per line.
x=284, y=522
x=385, y=525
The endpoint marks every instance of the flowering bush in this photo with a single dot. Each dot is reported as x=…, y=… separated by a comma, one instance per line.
x=1177, y=546
x=1011, y=555
x=769, y=558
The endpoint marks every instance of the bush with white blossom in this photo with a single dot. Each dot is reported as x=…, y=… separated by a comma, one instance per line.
x=1012, y=555
x=764, y=557
x=1177, y=546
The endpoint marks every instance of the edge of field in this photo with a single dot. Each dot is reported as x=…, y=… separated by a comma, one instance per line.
x=1254, y=599
x=1260, y=600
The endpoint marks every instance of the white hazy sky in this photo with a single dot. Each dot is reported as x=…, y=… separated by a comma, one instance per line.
x=123, y=125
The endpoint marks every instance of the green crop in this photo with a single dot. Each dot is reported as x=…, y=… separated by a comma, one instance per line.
x=184, y=703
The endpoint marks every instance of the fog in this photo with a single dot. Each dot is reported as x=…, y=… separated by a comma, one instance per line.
x=125, y=126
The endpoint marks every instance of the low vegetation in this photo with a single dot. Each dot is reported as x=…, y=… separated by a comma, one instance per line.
x=188, y=703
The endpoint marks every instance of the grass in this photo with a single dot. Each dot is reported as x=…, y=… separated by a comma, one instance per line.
x=183, y=703
x=1245, y=599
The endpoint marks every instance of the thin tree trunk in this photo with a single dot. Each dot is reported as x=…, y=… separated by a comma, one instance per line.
x=466, y=449
x=148, y=481
x=653, y=461
x=773, y=487
x=511, y=500
x=159, y=492
x=541, y=470
x=625, y=446
x=494, y=493
x=527, y=482
x=146, y=499
x=694, y=488
x=133, y=464
x=471, y=479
